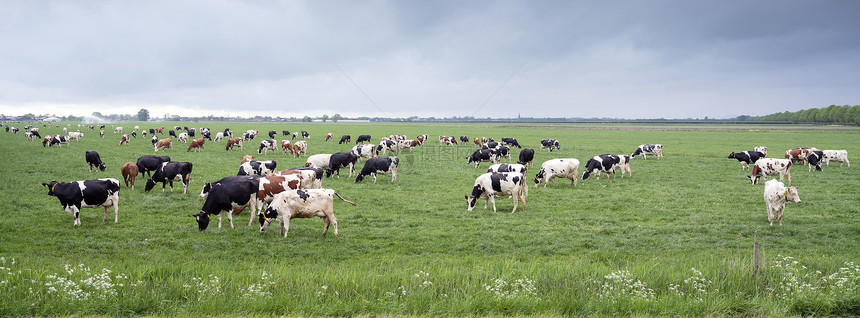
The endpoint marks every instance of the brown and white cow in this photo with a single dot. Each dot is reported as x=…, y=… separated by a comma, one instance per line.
x=164, y=144
x=247, y=158
x=129, y=173
x=300, y=148
x=301, y=204
x=328, y=137
x=271, y=186
x=798, y=154
x=286, y=146
x=183, y=137
x=124, y=139
x=311, y=177
x=478, y=143
x=775, y=196
x=411, y=144
x=445, y=140
x=771, y=167
x=196, y=144
x=233, y=142
x=836, y=155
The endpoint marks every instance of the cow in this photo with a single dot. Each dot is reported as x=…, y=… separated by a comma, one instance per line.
x=655, y=149
x=481, y=155
x=527, y=157
x=775, y=196
x=86, y=194
x=445, y=140
x=144, y=133
x=229, y=194
x=59, y=140
x=295, y=134
x=163, y=144
x=502, y=152
x=411, y=144
x=814, y=159
x=341, y=160
x=268, y=144
x=311, y=177
x=770, y=167
x=29, y=136
x=124, y=139
x=623, y=165
x=77, y=135
x=383, y=165
x=602, y=163
x=362, y=138
x=507, y=167
x=761, y=149
x=511, y=142
x=798, y=154
x=301, y=204
x=836, y=155
x=250, y=134
x=305, y=135
x=272, y=134
x=364, y=151
x=14, y=130
x=328, y=137
x=154, y=140
x=550, y=169
x=746, y=157
x=271, y=186
x=478, y=142
x=246, y=158
x=286, y=146
x=191, y=132
x=94, y=161
x=169, y=172
x=489, y=185
x=318, y=161
x=172, y=133
x=152, y=131
x=285, y=132
x=300, y=148
x=233, y=142
x=129, y=173
x=146, y=164
x=386, y=145
x=549, y=144
x=464, y=139
x=219, y=136
x=196, y=144
x=344, y=138
x=47, y=141
x=160, y=130
x=101, y=133
x=257, y=168
x=117, y=130
x=183, y=137
x=206, y=135
x=134, y=134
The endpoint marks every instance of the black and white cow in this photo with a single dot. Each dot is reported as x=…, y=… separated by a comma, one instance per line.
x=481, y=155
x=364, y=151
x=232, y=194
x=527, y=157
x=464, y=140
x=285, y=132
x=86, y=194
x=311, y=177
x=344, y=138
x=257, y=168
x=814, y=159
x=207, y=186
x=362, y=138
x=507, y=167
x=383, y=165
x=145, y=164
x=602, y=163
x=489, y=185
x=341, y=160
x=172, y=133
x=746, y=157
x=305, y=135
x=272, y=133
x=59, y=140
x=268, y=144
x=503, y=152
x=94, y=161
x=549, y=143
x=511, y=142
x=169, y=172
x=385, y=146
x=655, y=149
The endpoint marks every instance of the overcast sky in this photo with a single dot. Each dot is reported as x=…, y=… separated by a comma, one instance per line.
x=630, y=59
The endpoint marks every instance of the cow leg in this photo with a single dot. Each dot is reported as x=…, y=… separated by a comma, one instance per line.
x=779, y=214
x=770, y=214
x=230, y=218
x=76, y=214
x=285, y=226
x=374, y=177
x=523, y=198
x=219, y=220
x=394, y=176
x=516, y=197
x=492, y=199
x=106, y=211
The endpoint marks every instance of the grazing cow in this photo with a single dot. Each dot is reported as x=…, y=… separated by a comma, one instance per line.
x=565, y=168
x=101, y=133
x=14, y=130
x=502, y=152
x=272, y=134
x=293, y=204
x=507, y=167
x=47, y=141
x=271, y=186
x=164, y=144
x=328, y=137
x=383, y=165
x=183, y=137
x=655, y=149
x=386, y=145
x=129, y=173
x=836, y=155
x=482, y=155
x=257, y=168
x=191, y=132
x=144, y=133
x=305, y=135
x=169, y=172
x=117, y=130
x=229, y=194
x=464, y=139
x=362, y=138
x=59, y=140
x=219, y=136
x=300, y=148
x=527, y=157
x=36, y=134
x=172, y=133
x=364, y=151
x=477, y=142
x=134, y=134
x=86, y=194
x=146, y=164
x=411, y=144
x=511, y=142
x=445, y=140
x=344, y=138
x=160, y=130
x=77, y=135
x=94, y=161
x=799, y=154
x=319, y=161
x=285, y=132
x=771, y=167
x=233, y=142
x=250, y=134
x=489, y=185
x=814, y=159
x=124, y=139
x=549, y=144
x=746, y=157
x=311, y=177
x=286, y=146
x=775, y=196
x=602, y=163
x=295, y=134
x=29, y=136
x=246, y=158
x=154, y=140
x=761, y=149
x=268, y=144
x=196, y=144
x=207, y=135
x=341, y=160
x=152, y=131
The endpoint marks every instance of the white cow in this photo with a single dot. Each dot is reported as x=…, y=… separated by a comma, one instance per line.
x=507, y=167
x=565, y=168
x=219, y=136
x=761, y=149
x=771, y=167
x=836, y=155
x=117, y=130
x=319, y=161
x=364, y=151
x=489, y=185
x=292, y=204
x=77, y=135
x=775, y=196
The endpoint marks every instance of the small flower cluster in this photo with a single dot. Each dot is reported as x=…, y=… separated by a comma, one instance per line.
x=621, y=283
x=520, y=288
x=794, y=280
x=696, y=286
x=845, y=281
x=204, y=287
x=425, y=277
x=399, y=292
x=261, y=289
x=101, y=285
x=324, y=292
x=8, y=270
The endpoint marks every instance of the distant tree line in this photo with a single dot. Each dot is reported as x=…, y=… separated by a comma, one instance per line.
x=832, y=114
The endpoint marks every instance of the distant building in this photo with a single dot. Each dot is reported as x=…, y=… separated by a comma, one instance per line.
x=51, y=119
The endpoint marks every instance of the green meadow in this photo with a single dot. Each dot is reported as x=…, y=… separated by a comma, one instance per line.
x=676, y=238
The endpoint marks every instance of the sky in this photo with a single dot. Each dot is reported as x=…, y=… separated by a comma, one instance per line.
x=500, y=59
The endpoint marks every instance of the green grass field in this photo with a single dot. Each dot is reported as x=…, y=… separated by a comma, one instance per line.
x=675, y=239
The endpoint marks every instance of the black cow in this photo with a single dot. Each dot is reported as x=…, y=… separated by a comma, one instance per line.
x=341, y=160
x=229, y=194
x=602, y=163
x=344, y=138
x=362, y=138
x=814, y=159
x=36, y=134
x=86, y=194
x=93, y=160
x=273, y=133
x=464, y=139
x=512, y=142
x=384, y=165
x=169, y=172
x=482, y=155
x=152, y=131
x=549, y=143
x=257, y=168
x=172, y=133
x=208, y=185
x=192, y=131
x=746, y=157
x=305, y=134
x=285, y=133
x=527, y=155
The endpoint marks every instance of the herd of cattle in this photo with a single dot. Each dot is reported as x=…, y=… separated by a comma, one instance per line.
x=270, y=194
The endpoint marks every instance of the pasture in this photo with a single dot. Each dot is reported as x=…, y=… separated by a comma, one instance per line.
x=675, y=239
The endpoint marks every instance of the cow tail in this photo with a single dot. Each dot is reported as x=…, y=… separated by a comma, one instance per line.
x=345, y=200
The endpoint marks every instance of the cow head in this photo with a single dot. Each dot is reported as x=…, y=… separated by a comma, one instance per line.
x=150, y=184
x=791, y=195
x=471, y=200
x=202, y=220
x=266, y=218
x=731, y=155
x=753, y=178
x=50, y=186
x=359, y=178
x=206, y=187
x=539, y=177
x=102, y=166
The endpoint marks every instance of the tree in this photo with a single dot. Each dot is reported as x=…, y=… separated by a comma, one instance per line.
x=143, y=114
x=97, y=114
x=307, y=119
x=336, y=117
x=324, y=118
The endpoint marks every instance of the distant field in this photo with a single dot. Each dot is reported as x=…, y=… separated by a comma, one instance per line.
x=675, y=239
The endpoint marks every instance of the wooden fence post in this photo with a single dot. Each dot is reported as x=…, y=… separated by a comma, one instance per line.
x=755, y=260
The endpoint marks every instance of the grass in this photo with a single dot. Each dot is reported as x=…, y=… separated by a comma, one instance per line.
x=410, y=247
